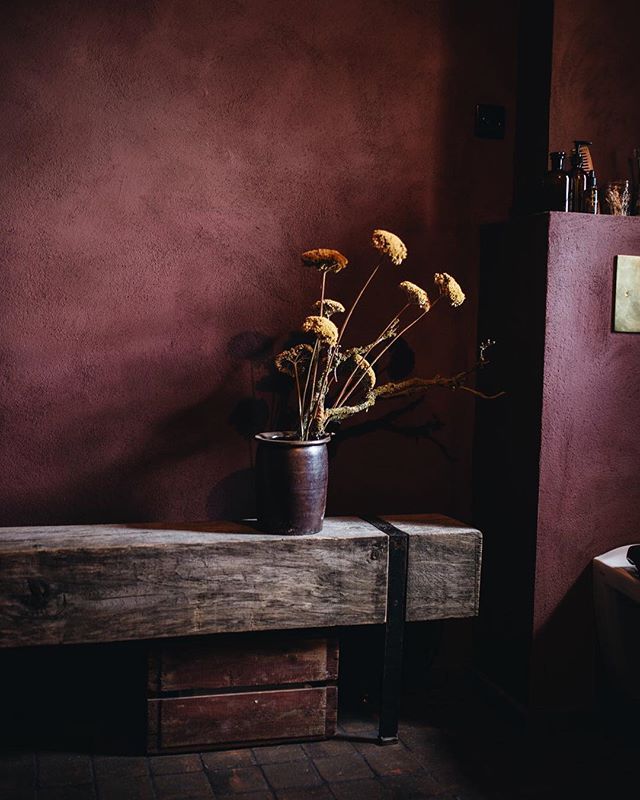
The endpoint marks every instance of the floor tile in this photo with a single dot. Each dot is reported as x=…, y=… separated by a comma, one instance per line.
x=331, y=747
x=347, y=767
x=244, y=779
x=131, y=787
x=17, y=777
x=392, y=761
x=183, y=786
x=228, y=759
x=173, y=765
x=312, y=793
x=375, y=747
x=277, y=754
x=64, y=769
x=108, y=767
x=266, y=795
x=292, y=775
x=17, y=791
x=86, y=792
x=16, y=763
x=411, y=787
x=359, y=790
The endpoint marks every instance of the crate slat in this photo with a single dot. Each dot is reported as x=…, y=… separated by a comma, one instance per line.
x=223, y=662
x=180, y=723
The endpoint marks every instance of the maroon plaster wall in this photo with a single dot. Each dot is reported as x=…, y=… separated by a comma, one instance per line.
x=163, y=163
x=589, y=497
x=589, y=491
x=596, y=74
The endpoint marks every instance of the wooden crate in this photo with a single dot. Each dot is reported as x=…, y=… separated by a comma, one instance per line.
x=241, y=689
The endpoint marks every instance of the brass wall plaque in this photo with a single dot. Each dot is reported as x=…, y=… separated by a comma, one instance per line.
x=626, y=304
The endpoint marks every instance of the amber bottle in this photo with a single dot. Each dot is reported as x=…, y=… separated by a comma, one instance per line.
x=555, y=188
x=578, y=183
x=591, y=201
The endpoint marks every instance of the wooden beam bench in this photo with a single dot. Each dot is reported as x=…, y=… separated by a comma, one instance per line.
x=107, y=583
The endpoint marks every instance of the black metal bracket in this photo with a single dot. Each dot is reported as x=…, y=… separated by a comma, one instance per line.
x=391, y=684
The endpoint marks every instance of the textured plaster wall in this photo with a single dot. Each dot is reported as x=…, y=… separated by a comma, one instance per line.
x=594, y=88
x=589, y=492
x=589, y=498
x=163, y=164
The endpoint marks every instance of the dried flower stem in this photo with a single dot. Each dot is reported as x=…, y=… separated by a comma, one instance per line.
x=357, y=300
x=315, y=362
x=366, y=350
x=297, y=377
x=304, y=417
x=384, y=350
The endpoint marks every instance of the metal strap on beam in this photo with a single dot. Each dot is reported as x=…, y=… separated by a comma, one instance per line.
x=391, y=686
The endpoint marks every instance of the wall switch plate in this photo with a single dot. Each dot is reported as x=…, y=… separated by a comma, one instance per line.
x=626, y=303
x=490, y=122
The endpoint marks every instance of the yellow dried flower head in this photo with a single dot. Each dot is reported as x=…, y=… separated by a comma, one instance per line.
x=285, y=361
x=324, y=260
x=389, y=244
x=323, y=328
x=369, y=378
x=416, y=295
x=450, y=287
x=329, y=308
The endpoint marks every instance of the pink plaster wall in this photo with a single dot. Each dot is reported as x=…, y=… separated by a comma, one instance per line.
x=589, y=491
x=589, y=497
x=163, y=163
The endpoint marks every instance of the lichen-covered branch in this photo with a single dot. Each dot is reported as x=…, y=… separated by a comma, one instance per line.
x=388, y=333
x=407, y=388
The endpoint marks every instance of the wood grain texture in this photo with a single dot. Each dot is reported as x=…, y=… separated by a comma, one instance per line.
x=105, y=583
x=180, y=723
x=255, y=659
x=444, y=567
x=115, y=582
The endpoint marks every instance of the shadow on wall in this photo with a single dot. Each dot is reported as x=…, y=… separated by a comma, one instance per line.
x=269, y=407
x=119, y=491
x=572, y=620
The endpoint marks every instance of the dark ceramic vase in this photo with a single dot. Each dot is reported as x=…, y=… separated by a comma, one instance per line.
x=291, y=483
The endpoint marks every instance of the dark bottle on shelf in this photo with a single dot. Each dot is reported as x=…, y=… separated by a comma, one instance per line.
x=555, y=187
x=578, y=179
x=591, y=201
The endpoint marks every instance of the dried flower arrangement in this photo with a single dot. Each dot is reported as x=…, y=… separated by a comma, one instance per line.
x=333, y=382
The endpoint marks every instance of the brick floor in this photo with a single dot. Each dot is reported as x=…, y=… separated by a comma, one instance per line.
x=228, y=759
x=175, y=765
x=315, y=793
x=120, y=767
x=447, y=752
x=136, y=787
x=346, y=767
x=86, y=792
x=279, y=753
x=62, y=769
x=359, y=790
x=183, y=786
x=236, y=781
x=292, y=775
x=392, y=761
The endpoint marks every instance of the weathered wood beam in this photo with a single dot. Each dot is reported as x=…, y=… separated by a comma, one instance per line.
x=444, y=567
x=100, y=583
x=104, y=583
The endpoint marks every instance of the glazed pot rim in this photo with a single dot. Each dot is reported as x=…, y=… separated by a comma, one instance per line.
x=288, y=438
